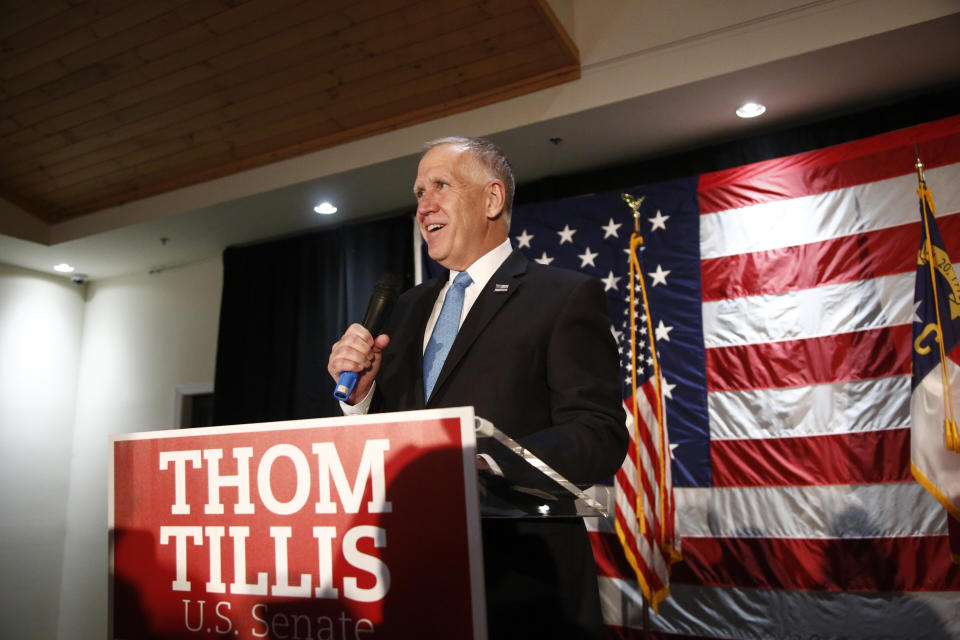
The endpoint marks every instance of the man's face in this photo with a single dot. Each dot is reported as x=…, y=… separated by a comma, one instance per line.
x=454, y=207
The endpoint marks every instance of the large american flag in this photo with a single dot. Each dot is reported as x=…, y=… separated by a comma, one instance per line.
x=781, y=296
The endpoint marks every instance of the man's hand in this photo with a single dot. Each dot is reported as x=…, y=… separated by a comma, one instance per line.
x=357, y=351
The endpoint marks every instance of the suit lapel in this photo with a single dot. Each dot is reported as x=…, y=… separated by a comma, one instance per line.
x=490, y=301
x=412, y=336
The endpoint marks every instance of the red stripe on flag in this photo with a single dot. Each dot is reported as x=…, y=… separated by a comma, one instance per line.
x=850, y=458
x=869, y=255
x=878, y=158
x=860, y=355
x=608, y=554
x=916, y=563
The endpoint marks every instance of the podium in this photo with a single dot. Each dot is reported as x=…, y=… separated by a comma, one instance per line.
x=348, y=527
x=548, y=495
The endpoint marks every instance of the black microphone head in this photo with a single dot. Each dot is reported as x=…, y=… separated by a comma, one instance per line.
x=385, y=293
x=388, y=284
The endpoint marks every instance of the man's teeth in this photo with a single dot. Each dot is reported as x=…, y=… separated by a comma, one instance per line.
x=434, y=227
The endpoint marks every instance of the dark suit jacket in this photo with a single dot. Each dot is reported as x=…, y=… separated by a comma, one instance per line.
x=537, y=359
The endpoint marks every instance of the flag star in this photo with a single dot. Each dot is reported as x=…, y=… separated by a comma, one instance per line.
x=616, y=334
x=672, y=447
x=523, y=240
x=667, y=389
x=611, y=229
x=566, y=234
x=544, y=259
x=659, y=276
x=659, y=221
x=586, y=258
x=663, y=332
x=916, y=308
x=610, y=282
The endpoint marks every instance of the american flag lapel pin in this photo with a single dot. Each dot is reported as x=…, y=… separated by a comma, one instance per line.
x=500, y=288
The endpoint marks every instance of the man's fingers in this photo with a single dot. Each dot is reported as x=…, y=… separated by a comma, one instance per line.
x=356, y=351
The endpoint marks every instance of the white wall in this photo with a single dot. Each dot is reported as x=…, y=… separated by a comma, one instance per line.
x=72, y=372
x=41, y=318
x=142, y=336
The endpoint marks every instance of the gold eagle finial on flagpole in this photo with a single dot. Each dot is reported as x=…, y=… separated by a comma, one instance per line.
x=634, y=203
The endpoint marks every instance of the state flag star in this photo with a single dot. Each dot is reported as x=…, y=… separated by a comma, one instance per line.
x=523, y=240
x=610, y=282
x=659, y=221
x=566, y=234
x=587, y=258
x=611, y=229
x=663, y=332
x=916, y=308
x=659, y=276
x=544, y=259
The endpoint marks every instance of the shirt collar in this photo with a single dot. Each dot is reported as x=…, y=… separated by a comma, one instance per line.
x=483, y=269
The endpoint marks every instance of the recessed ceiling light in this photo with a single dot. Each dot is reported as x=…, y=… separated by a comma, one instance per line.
x=750, y=110
x=63, y=267
x=325, y=208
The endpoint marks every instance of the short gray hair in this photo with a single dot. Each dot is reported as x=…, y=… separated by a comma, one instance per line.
x=492, y=157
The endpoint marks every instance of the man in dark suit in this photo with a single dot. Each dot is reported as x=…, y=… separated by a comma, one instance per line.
x=533, y=354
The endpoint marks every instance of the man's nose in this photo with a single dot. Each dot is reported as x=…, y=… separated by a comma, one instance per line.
x=426, y=204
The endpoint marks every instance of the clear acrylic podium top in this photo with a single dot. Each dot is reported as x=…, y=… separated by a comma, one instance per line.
x=548, y=495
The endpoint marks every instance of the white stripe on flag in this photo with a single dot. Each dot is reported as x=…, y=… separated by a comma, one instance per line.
x=834, y=214
x=824, y=409
x=809, y=313
x=831, y=511
x=746, y=613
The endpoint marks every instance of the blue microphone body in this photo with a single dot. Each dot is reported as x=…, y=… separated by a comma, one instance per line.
x=345, y=384
x=385, y=293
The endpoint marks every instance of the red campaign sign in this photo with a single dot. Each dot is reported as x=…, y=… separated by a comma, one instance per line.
x=332, y=529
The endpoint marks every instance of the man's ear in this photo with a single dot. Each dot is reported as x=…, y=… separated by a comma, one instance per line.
x=495, y=198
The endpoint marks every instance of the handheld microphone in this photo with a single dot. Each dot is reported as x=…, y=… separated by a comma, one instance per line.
x=385, y=293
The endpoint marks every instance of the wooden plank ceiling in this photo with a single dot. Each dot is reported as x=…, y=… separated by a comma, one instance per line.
x=108, y=101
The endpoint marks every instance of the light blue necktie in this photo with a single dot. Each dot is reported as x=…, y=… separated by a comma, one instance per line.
x=444, y=332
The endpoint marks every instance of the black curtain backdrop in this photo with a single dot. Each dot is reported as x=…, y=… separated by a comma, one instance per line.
x=285, y=302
